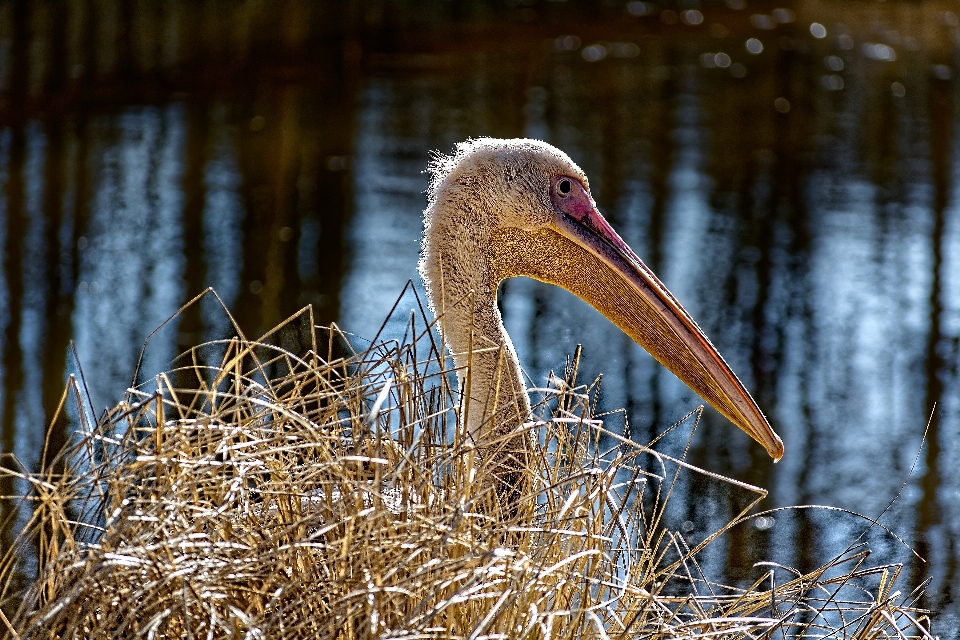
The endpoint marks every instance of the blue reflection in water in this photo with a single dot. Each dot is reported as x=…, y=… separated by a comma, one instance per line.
x=223, y=214
x=68, y=214
x=308, y=259
x=5, y=139
x=383, y=238
x=131, y=274
x=29, y=422
x=870, y=329
x=865, y=372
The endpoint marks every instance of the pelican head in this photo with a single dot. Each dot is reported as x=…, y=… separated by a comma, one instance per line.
x=505, y=208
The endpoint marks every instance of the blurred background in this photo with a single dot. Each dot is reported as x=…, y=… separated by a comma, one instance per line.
x=789, y=169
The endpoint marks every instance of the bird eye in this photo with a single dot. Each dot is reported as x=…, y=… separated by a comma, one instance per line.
x=564, y=187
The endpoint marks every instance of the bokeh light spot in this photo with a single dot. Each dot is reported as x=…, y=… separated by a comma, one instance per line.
x=763, y=21
x=783, y=16
x=640, y=8
x=691, y=17
x=567, y=43
x=941, y=72
x=594, y=53
x=831, y=82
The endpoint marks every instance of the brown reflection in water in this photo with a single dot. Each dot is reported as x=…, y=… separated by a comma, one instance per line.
x=198, y=134
x=942, y=114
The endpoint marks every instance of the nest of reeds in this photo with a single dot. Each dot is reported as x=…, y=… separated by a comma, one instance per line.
x=262, y=493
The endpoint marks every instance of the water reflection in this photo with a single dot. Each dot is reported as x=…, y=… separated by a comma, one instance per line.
x=792, y=177
x=223, y=214
x=28, y=404
x=394, y=136
x=131, y=266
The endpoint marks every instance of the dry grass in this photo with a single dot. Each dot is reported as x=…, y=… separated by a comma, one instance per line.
x=283, y=496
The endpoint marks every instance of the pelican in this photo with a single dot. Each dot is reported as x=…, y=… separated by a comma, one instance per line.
x=499, y=209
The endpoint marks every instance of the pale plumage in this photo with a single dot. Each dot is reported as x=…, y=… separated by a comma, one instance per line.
x=504, y=208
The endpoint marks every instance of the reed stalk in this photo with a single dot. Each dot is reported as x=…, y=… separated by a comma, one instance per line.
x=328, y=494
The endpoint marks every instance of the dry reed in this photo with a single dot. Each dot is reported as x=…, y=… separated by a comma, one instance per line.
x=275, y=495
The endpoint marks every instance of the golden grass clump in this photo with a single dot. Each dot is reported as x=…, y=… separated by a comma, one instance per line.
x=332, y=495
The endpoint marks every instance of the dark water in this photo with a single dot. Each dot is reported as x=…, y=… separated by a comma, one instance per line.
x=791, y=171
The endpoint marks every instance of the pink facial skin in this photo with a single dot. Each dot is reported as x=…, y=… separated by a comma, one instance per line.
x=571, y=198
x=579, y=205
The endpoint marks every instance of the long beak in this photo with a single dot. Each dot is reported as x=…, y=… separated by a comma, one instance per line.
x=590, y=260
